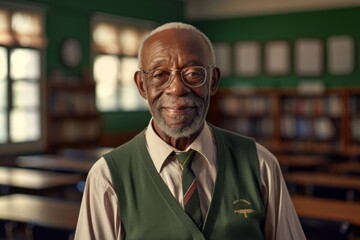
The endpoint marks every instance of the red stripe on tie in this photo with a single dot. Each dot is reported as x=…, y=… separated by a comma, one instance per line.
x=190, y=192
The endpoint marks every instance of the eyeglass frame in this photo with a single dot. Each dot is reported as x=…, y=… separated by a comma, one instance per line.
x=171, y=77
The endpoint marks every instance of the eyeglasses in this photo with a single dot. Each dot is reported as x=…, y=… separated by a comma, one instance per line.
x=161, y=78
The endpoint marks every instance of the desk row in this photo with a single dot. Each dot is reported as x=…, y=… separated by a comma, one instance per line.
x=62, y=215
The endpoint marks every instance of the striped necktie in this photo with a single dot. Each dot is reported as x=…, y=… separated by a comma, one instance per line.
x=191, y=196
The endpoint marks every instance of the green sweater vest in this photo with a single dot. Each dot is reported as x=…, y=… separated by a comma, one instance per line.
x=149, y=211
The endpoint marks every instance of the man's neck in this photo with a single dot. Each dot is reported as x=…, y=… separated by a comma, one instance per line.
x=178, y=143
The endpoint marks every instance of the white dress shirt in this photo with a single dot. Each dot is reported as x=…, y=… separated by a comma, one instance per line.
x=100, y=216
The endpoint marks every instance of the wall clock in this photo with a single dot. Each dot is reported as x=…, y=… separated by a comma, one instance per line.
x=71, y=52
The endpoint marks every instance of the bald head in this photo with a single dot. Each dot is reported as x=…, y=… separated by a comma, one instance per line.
x=180, y=26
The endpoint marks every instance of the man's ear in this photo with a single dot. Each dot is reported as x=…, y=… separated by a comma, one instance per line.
x=139, y=81
x=215, y=79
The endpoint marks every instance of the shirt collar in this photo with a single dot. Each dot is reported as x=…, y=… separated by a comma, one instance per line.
x=159, y=150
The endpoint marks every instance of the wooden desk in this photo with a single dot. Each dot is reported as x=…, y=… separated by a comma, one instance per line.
x=40, y=211
x=36, y=179
x=327, y=209
x=323, y=179
x=346, y=167
x=85, y=153
x=54, y=163
x=301, y=160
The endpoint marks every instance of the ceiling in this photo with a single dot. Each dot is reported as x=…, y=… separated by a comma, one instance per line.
x=212, y=9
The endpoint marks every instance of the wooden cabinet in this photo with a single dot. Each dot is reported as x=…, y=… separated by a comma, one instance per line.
x=285, y=120
x=73, y=120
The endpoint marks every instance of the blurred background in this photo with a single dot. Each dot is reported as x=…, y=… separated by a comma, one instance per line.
x=290, y=79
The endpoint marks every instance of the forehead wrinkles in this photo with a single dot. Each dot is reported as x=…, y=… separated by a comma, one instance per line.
x=174, y=46
x=157, y=54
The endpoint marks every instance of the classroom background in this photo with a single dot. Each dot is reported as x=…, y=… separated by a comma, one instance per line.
x=290, y=79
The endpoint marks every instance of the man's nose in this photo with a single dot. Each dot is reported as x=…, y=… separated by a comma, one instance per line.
x=177, y=86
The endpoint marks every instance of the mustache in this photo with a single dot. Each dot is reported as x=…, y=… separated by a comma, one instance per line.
x=187, y=100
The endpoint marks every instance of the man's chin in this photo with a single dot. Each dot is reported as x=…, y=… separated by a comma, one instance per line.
x=179, y=126
x=180, y=130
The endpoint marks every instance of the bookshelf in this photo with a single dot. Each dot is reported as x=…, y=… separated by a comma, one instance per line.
x=246, y=112
x=73, y=120
x=312, y=123
x=288, y=120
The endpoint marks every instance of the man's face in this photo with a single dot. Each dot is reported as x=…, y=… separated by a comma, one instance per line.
x=178, y=110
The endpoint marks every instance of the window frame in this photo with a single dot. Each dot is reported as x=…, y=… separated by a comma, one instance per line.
x=10, y=148
x=119, y=22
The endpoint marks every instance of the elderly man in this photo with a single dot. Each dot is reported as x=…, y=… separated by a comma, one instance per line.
x=182, y=178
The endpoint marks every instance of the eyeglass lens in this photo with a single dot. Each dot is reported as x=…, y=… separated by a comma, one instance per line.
x=191, y=76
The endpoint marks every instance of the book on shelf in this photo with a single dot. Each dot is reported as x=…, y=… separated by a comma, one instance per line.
x=247, y=105
x=354, y=105
x=318, y=129
x=72, y=131
x=355, y=129
x=313, y=106
x=64, y=102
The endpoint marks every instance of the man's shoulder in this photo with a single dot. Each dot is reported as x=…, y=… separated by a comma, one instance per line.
x=265, y=155
x=99, y=172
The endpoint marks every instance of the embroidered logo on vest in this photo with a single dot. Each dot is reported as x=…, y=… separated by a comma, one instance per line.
x=242, y=206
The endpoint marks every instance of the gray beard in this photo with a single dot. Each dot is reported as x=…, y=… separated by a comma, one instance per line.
x=185, y=131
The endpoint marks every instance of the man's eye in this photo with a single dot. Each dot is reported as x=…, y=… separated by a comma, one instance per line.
x=193, y=75
x=161, y=75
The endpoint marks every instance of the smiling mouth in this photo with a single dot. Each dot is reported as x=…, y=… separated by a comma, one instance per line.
x=182, y=110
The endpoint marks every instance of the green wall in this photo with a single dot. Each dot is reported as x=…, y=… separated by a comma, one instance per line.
x=289, y=27
x=125, y=121
x=72, y=18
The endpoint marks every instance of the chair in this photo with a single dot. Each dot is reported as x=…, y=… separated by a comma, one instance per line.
x=34, y=232
x=316, y=229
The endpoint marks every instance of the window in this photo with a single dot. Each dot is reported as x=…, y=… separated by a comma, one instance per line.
x=115, y=46
x=21, y=44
